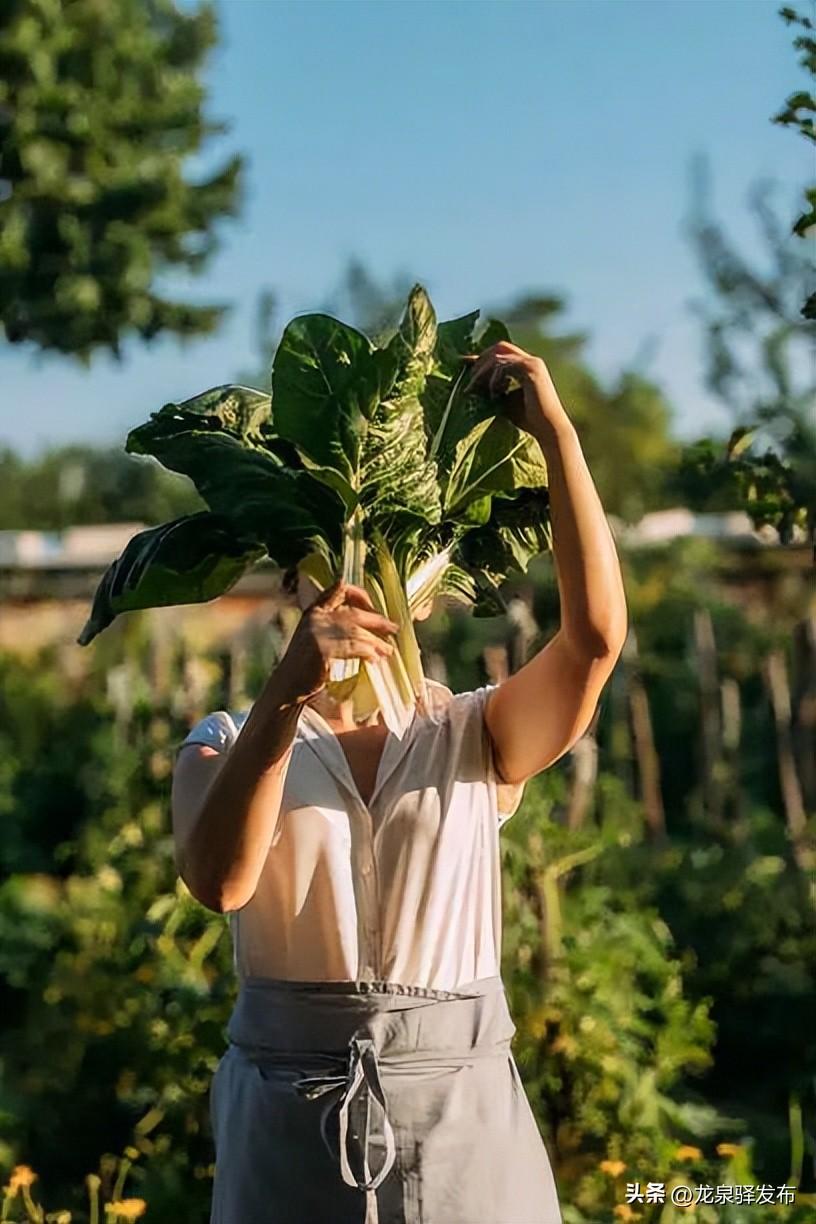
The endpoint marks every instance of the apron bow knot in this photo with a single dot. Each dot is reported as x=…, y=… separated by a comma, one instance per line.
x=361, y=1082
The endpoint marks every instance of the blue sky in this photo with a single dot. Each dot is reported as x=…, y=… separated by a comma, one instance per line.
x=484, y=148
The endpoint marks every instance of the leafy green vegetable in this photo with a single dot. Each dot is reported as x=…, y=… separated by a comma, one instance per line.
x=365, y=461
x=191, y=560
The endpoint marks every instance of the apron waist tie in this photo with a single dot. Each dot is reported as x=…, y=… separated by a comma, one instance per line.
x=360, y=1079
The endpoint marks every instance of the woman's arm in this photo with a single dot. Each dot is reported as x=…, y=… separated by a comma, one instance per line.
x=225, y=808
x=536, y=715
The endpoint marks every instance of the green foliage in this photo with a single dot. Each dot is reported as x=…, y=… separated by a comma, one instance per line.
x=761, y=314
x=192, y=559
x=737, y=898
x=101, y=106
x=623, y=428
x=133, y=978
x=367, y=461
x=757, y=348
x=773, y=490
x=78, y=485
x=606, y=1036
x=643, y=977
x=799, y=111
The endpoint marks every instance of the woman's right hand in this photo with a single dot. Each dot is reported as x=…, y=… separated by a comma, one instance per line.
x=342, y=623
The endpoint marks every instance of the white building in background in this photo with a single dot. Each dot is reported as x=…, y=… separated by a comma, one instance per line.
x=80, y=547
x=96, y=546
x=663, y=525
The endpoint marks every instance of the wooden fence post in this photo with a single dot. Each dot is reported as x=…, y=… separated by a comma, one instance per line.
x=804, y=705
x=731, y=715
x=648, y=761
x=584, y=775
x=775, y=674
x=705, y=649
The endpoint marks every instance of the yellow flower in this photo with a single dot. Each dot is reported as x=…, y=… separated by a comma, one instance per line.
x=729, y=1149
x=131, y=1209
x=686, y=1152
x=624, y=1212
x=21, y=1175
x=613, y=1167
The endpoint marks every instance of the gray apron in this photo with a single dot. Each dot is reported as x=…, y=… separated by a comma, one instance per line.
x=375, y=1103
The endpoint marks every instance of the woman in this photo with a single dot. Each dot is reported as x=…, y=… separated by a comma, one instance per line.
x=369, y=1078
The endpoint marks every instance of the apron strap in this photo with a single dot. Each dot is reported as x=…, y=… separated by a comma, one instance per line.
x=362, y=1082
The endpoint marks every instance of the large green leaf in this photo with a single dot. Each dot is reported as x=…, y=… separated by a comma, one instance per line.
x=283, y=509
x=360, y=445
x=450, y=413
x=494, y=458
x=398, y=478
x=413, y=345
x=242, y=412
x=191, y=560
x=517, y=531
x=455, y=338
x=327, y=380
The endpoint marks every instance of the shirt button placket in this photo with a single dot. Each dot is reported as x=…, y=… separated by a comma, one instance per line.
x=369, y=918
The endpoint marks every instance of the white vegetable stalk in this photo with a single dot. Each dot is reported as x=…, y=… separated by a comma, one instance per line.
x=389, y=679
x=425, y=581
x=354, y=553
x=393, y=685
x=396, y=602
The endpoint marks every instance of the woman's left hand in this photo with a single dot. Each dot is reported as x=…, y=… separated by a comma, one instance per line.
x=520, y=381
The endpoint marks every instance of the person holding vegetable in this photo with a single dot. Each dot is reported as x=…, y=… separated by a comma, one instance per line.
x=361, y=875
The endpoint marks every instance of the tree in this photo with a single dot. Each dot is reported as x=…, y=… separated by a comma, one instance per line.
x=798, y=112
x=101, y=105
x=757, y=345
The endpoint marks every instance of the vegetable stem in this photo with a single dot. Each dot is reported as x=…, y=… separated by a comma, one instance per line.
x=437, y=442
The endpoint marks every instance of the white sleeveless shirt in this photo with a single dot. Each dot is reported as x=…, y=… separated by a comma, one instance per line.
x=406, y=889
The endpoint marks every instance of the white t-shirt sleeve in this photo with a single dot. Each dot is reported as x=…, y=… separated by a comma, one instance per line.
x=472, y=748
x=217, y=730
